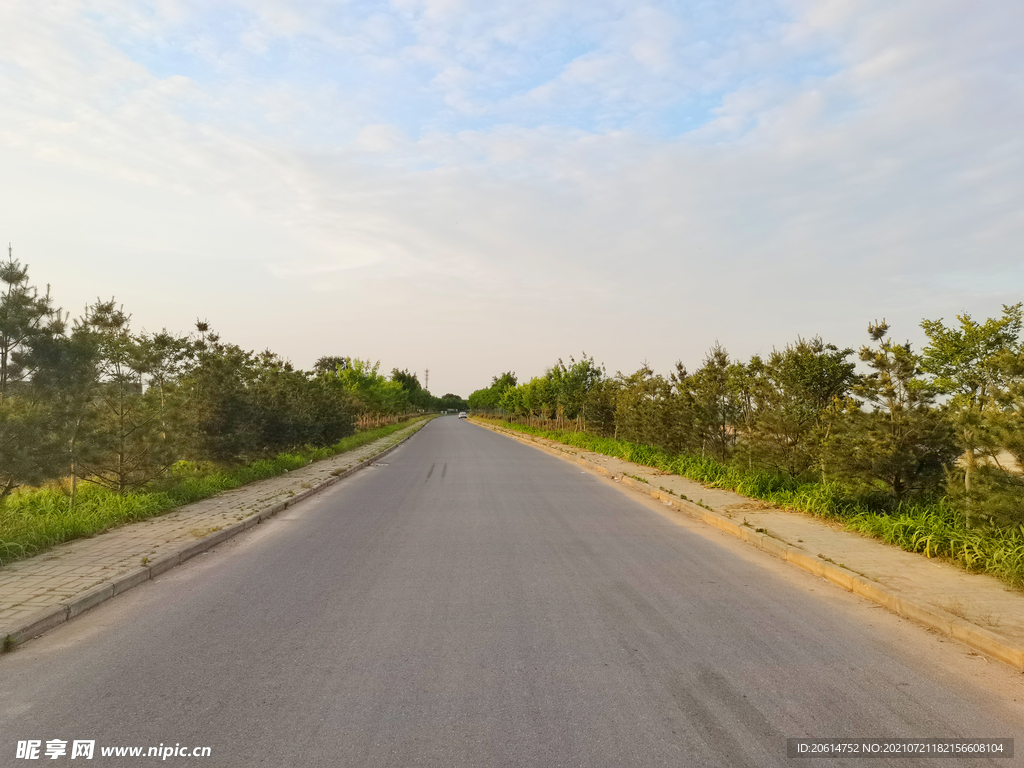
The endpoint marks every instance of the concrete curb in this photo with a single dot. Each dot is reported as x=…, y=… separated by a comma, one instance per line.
x=934, y=618
x=48, y=618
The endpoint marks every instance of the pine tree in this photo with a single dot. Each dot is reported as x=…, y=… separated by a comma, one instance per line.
x=718, y=402
x=903, y=443
x=798, y=393
x=975, y=364
x=124, y=444
x=28, y=320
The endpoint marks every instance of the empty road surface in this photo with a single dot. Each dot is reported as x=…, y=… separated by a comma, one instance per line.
x=475, y=602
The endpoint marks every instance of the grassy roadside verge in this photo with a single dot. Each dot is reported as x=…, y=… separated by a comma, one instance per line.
x=34, y=520
x=934, y=530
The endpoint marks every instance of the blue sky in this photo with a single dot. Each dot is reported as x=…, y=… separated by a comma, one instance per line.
x=478, y=186
x=658, y=69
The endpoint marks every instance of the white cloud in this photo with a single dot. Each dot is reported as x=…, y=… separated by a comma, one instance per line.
x=381, y=138
x=814, y=199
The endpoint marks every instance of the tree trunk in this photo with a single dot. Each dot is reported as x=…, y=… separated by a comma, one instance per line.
x=970, y=514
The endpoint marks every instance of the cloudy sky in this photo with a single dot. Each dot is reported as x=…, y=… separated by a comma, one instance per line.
x=478, y=185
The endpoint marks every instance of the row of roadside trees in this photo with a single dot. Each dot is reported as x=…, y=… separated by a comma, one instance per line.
x=90, y=399
x=902, y=425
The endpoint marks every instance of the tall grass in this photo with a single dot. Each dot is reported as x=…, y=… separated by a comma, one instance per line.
x=938, y=531
x=33, y=520
x=934, y=529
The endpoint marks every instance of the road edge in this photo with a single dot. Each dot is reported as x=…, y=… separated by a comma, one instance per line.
x=928, y=616
x=47, y=618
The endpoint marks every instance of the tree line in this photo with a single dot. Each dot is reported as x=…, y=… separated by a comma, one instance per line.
x=903, y=425
x=89, y=399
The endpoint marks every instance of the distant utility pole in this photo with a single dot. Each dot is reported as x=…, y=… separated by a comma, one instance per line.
x=426, y=379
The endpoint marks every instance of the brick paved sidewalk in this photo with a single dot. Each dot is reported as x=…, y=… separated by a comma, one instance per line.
x=53, y=577
x=977, y=599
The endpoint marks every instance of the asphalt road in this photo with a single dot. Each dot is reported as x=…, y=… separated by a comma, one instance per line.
x=474, y=602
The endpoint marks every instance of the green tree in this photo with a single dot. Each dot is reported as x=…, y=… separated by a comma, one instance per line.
x=600, y=406
x=653, y=410
x=452, y=402
x=212, y=405
x=970, y=364
x=536, y=398
x=903, y=444
x=125, y=446
x=715, y=389
x=26, y=319
x=330, y=409
x=489, y=398
x=378, y=395
x=571, y=384
x=67, y=378
x=294, y=408
x=29, y=452
x=418, y=397
x=27, y=447
x=164, y=357
x=796, y=395
x=330, y=364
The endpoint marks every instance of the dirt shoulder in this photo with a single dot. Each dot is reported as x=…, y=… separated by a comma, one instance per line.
x=975, y=608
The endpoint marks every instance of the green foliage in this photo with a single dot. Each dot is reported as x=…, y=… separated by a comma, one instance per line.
x=418, y=398
x=716, y=394
x=571, y=384
x=903, y=444
x=803, y=430
x=996, y=495
x=28, y=446
x=651, y=410
x=375, y=393
x=213, y=409
x=452, y=402
x=981, y=367
x=124, y=446
x=534, y=398
x=805, y=412
x=330, y=364
x=26, y=318
x=234, y=406
x=489, y=398
x=796, y=395
x=967, y=361
x=574, y=392
x=938, y=530
x=28, y=434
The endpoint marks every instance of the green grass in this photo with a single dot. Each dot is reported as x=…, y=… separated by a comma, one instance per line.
x=33, y=520
x=938, y=531
x=932, y=529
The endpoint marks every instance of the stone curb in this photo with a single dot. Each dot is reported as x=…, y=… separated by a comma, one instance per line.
x=47, y=618
x=934, y=618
